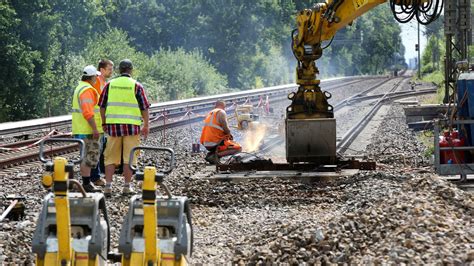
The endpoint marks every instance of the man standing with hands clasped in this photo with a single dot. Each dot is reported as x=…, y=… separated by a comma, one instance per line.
x=123, y=106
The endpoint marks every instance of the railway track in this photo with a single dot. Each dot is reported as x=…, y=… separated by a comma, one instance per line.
x=353, y=133
x=378, y=100
x=171, y=108
x=163, y=116
x=10, y=159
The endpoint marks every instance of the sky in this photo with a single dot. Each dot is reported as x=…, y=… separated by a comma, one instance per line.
x=410, y=38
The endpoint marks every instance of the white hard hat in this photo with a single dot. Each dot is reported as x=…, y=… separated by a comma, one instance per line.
x=90, y=70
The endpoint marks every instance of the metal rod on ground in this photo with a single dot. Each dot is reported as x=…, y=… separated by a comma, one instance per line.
x=79, y=186
x=7, y=211
x=163, y=139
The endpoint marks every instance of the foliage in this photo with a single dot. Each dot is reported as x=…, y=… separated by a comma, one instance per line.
x=433, y=55
x=184, y=75
x=179, y=48
x=365, y=47
x=436, y=77
x=471, y=52
x=16, y=68
x=167, y=74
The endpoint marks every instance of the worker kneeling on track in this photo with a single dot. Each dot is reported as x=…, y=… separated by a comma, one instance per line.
x=216, y=135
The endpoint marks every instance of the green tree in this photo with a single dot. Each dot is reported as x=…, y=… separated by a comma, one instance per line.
x=381, y=40
x=228, y=33
x=17, y=96
x=167, y=74
x=431, y=58
x=180, y=48
x=186, y=74
x=369, y=46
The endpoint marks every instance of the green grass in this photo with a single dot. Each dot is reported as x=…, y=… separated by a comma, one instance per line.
x=437, y=78
x=426, y=137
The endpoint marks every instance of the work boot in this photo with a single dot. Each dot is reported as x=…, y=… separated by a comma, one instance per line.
x=108, y=191
x=127, y=190
x=89, y=187
x=100, y=182
x=211, y=158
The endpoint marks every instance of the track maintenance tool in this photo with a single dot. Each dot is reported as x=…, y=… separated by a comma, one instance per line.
x=72, y=228
x=157, y=229
x=245, y=116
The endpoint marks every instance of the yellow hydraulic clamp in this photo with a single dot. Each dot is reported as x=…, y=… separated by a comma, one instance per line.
x=72, y=228
x=157, y=229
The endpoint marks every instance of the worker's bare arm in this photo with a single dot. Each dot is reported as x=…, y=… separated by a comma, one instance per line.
x=222, y=118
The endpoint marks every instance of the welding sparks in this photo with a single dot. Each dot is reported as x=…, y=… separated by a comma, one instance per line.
x=254, y=136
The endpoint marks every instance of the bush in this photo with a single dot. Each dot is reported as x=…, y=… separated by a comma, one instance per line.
x=185, y=74
x=427, y=68
x=166, y=75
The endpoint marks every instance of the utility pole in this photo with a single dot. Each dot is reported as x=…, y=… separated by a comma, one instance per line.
x=456, y=29
x=419, y=61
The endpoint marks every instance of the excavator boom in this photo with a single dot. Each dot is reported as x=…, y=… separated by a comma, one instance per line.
x=310, y=104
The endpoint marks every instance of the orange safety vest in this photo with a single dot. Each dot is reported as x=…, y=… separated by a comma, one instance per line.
x=212, y=132
x=99, y=84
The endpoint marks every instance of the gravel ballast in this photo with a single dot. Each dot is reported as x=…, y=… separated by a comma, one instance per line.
x=394, y=215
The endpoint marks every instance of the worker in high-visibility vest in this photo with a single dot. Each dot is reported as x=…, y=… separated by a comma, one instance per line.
x=216, y=136
x=86, y=123
x=106, y=68
x=123, y=108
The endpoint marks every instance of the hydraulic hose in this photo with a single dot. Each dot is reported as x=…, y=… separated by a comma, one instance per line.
x=424, y=11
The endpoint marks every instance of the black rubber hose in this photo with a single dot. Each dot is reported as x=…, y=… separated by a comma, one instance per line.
x=293, y=42
x=425, y=12
x=187, y=209
x=106, y=218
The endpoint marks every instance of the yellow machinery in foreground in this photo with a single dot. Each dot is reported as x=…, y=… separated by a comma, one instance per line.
x=245, y=116
x=72, y=228
x=157, y=229
x=310, y=123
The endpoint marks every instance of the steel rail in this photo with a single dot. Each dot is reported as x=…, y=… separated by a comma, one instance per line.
x=354, y=132
x=200, y=108
x=359, y=95
x=169, y=108
x=174, y=113
x=269, y=145
x=348, y=101
x=350, y=136
x=30, y=157
x=23, y=143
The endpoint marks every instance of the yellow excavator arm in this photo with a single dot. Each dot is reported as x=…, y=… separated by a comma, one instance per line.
x=309, y=106
x=320, y=23
x=323, y=21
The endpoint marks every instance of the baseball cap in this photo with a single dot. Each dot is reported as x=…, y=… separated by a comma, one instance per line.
x=126, y=64
x=90, y=70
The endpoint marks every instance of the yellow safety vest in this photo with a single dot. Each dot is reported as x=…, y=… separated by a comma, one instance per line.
x=79, y=123
x=122, y=105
